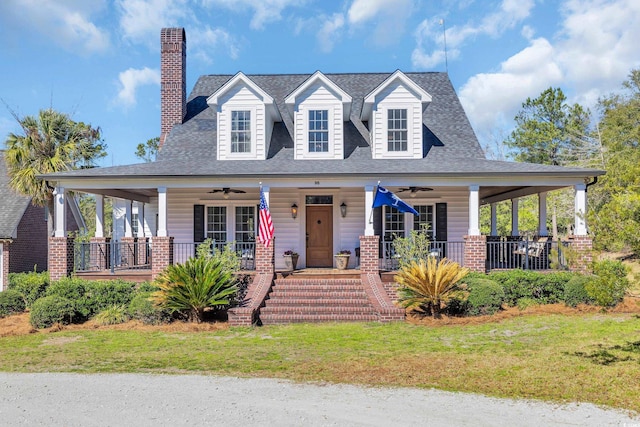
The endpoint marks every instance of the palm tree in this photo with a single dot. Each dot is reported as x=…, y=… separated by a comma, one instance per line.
x=52, y=142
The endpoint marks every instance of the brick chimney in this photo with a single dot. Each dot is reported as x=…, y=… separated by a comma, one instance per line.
x=173, y=79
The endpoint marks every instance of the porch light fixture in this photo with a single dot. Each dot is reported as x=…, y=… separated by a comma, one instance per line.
x=294, y=211
x=343, y=210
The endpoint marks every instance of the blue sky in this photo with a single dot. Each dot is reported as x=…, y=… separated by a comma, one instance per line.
x=98, y=60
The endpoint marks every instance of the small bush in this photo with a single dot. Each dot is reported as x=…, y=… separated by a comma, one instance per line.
x=485, y=296
x=11, y=302
x=524, y=303
x=575, y=292
x=610, y=283
x=544, y=288
x=72, y=289
x=31, y=285
x=51, y=309
x=112, y=315
x=145, y=287
x=143, y=309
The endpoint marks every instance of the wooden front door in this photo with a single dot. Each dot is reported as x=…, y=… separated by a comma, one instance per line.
x=319, y=236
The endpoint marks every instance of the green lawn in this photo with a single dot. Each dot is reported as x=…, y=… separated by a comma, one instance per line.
x=590, y=358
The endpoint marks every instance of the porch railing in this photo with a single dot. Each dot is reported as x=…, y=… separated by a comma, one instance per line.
x=525, y=253
x=450, y=249
x=246, y=252
x=102, y=256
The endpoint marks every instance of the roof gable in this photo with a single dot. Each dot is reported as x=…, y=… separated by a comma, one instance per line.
x=319, y=78
x=400, y=78
x=240, y=79
x=13, y=204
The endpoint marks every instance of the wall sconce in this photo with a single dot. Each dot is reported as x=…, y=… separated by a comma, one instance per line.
x=294, y=211
x=343, y=210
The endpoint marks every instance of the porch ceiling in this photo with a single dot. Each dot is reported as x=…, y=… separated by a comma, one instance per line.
x=139, y=195
x=493, y=194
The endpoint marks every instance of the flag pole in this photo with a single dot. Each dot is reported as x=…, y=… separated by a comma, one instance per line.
x=374, y=199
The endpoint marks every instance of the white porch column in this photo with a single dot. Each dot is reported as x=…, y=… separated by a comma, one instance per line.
x=494, y=219
x=99, y=216
x=140, y=206
x=128, y=229
x=59, y=208
x=542, y=214
x=580, y=228
x=162, y=212
x=368, y=210
x=474, y=210
x=514, y=217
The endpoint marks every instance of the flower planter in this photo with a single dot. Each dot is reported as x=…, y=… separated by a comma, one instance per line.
x=291, y=261
x=342, y=261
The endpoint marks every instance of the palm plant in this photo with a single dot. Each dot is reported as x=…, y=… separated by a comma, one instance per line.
x=194, y=286
x=425, y=285
x=52, y=142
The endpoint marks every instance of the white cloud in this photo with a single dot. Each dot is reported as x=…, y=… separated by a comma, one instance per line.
x=204, y=41
x=429, y=32
x=133, y=78
x=592, y=54
x=264, y=11
x=67, y=24
x=389, y=18
x=141, y=20
x=330, y=31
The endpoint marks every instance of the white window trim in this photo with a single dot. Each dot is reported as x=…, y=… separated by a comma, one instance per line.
x=231, y=217
x=385, y=128
x=228, y=109
x=409, y=218
x=304, y=110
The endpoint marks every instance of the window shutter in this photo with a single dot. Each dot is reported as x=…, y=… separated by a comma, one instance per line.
x=441, y=222
x=377, y=226
x=198, y=223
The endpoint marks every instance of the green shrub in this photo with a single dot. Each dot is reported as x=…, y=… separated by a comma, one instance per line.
x=485, y=296
x=228, y=258
x=524, y=303
x=31, y=285
x=73, y=290
x=192, y=287
x=11, y=302
x=112, y=315
x=145, y=287
x=51, y=309
x=545, y=288
x=143, y=309
x=575, y=292
x=610, y=283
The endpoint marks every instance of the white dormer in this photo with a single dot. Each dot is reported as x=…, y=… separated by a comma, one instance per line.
x=246, y=114
x=319, y=109
x=394, y=112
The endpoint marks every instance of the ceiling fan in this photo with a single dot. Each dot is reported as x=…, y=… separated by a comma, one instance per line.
x=226, y=191
x=415, y=189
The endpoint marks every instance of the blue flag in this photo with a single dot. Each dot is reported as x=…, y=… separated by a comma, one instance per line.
x=386, y=197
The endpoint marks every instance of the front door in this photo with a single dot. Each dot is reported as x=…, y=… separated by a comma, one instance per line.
x=319, y=236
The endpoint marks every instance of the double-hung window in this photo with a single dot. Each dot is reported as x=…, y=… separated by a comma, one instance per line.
x=397, y=130
x=217, y=224
x=424, y=219
x=241, y=131
x=245, y=224
x=393, y=223
x=318, y=131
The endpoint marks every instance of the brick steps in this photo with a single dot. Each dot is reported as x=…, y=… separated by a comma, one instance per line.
x=317, y=300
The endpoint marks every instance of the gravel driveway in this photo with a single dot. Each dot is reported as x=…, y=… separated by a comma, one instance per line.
x=156, y=400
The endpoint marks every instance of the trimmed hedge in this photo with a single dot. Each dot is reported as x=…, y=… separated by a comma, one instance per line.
x=31, y=285
x=547, y=288
x=575, y=292
x=609, y=285
x=143, y=309
x=11, y=302
x=47, y=311
x=485, y=296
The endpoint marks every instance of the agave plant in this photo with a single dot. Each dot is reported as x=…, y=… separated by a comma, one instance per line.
x=425, y=285
x=192, y=287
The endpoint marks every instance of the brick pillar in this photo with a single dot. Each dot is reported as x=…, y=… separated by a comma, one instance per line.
x=60, y=257
x=369, y=254
x=127, y=251
x=265, y=258
x=583, y=245
x=161, y=254
x=99, y=253
x=5, y=265
x=475, y=253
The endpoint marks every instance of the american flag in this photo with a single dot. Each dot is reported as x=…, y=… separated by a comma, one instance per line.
x=265, y=228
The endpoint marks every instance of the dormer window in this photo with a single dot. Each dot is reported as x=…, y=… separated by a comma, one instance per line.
x=397, y=130
x=318, y=131
x=241, y=131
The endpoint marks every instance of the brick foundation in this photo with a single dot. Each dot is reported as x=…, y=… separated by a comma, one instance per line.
x=475, y=253
x=161, y=254
x=584, y=247
x=370, y=254
x=60, y=257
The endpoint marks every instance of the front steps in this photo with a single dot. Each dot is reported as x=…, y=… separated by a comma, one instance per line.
x=314, y=300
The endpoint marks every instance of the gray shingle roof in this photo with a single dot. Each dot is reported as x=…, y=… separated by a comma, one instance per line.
x=12, y=205
x=450, y=143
